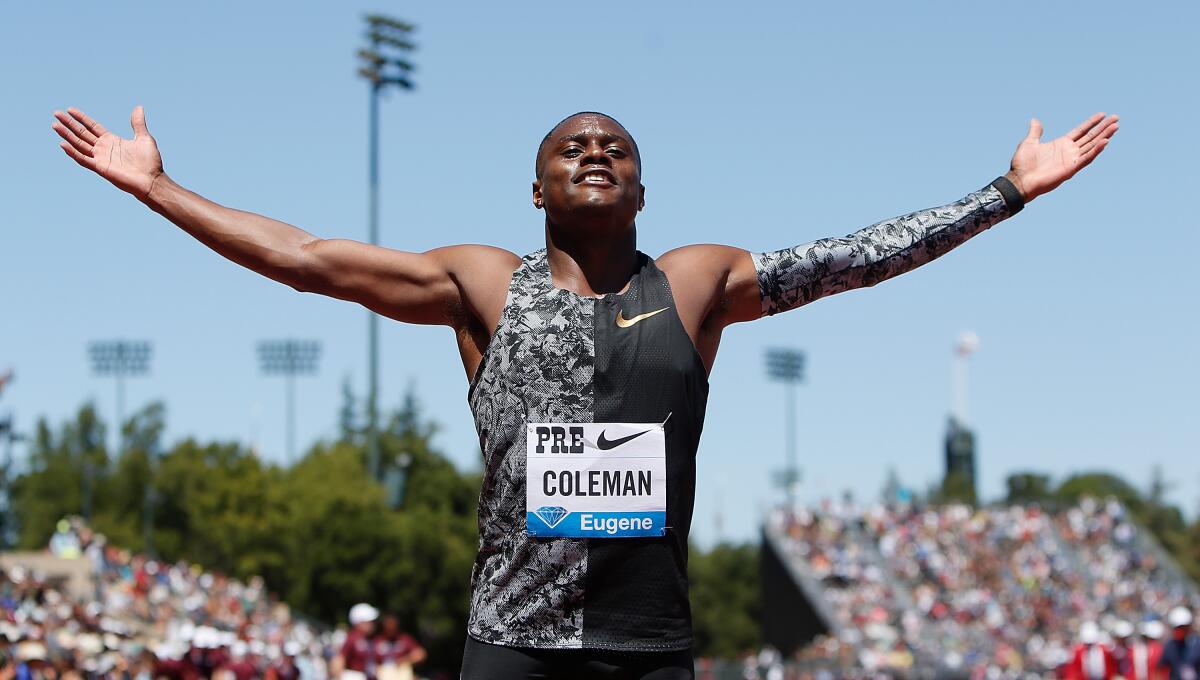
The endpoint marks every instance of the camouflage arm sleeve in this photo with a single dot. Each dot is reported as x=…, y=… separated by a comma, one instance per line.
x=794, y=277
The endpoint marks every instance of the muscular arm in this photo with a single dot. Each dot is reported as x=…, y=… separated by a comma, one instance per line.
x=424, y=288
x=755, y=285
x=453, y=286
x=715, y=286
x=793, y=277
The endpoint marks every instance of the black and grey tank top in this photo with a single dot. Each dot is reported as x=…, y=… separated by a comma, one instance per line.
x=560, y=357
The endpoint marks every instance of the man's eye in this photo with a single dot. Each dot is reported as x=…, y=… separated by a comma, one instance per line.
x=616, y=152
x=572, y=152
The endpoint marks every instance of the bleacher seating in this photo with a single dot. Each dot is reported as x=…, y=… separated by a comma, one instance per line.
x=996, y=592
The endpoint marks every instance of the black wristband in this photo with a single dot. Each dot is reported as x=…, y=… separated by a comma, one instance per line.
x=1012, y=195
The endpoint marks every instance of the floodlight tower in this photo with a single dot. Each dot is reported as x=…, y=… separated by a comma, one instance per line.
x=289, y=358
x=384, y=65
x=120, y=359
x=787, y=366
x=968, y=344
x=960, y=456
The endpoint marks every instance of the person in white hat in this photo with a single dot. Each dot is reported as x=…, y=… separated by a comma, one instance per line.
x=1181, y=654
x=356, y=660
x=1122, y=635
x=1146, y=651
x=1091, y=660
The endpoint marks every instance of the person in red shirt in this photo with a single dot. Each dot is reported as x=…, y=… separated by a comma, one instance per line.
x=356, y=660
x=1091, y=660
x=1122, y=633
x=240, y=663
x=1145, y=652
x=394, y=647
x=284, y=667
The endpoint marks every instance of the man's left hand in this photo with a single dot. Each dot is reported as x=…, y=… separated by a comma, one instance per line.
x=1038, y=168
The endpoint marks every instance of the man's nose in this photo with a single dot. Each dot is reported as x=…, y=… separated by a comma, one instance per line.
x=594, y=155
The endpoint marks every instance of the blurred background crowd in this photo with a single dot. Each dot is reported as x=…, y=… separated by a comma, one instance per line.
x=137, y=617
x=995, y=592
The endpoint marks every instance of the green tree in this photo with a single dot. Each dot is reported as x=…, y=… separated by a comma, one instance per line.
x=956, y=487
x=1099, y=485
x=1167, y=523
x=1029, y=487
x=726, y=596
x=54, y=486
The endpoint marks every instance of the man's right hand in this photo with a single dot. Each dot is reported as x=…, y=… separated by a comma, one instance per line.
x=463, y=287
x=131, y=165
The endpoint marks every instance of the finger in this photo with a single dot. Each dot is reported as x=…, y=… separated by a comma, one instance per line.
x=75, y=127
x=86, y=161
x=92, y=126
x=1100, y=135
x=1085, y=159
x=1085, y=126
x=71, y=138
x=1097, y=130
x=1035, y=131
x=138, y=121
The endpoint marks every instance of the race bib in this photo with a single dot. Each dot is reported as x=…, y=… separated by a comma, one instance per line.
x=596, y=480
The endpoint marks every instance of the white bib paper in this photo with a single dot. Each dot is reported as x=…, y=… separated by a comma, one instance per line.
x=596, y=480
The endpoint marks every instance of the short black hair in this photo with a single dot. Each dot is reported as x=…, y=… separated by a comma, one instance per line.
x=537, y=161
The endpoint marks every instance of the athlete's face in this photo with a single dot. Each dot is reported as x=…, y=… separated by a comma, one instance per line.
x=589, y=173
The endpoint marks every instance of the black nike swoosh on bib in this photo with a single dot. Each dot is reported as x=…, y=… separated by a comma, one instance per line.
x=605, y=444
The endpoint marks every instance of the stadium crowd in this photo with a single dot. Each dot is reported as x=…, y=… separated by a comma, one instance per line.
x=143, y=619
x=1003, y=592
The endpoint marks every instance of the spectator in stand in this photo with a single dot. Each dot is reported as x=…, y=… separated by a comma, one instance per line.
x=356, y=660
x=1122, y=632
x=1144, y=653
x=240, y=665
x=1181, y=654
x=1091, y=660
x=396, y=652
x=65, y=542
x=284, y=667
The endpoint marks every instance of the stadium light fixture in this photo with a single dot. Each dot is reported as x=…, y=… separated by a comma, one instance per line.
x=384, y=64
x=787, y=366
x=119, y=359
x=289, y=358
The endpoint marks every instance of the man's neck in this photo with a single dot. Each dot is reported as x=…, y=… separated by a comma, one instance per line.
x=592, y=265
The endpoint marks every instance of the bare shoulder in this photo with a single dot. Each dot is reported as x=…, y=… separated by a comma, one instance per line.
x=717, y=281
x=472, y=258
x=710, y=258
x=482, y=274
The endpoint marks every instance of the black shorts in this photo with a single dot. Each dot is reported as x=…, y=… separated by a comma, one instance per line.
x=483, y=661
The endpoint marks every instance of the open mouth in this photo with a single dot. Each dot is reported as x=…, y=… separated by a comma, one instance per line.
x=596, y=176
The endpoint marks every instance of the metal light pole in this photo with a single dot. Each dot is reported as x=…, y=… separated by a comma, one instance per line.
x=289, y=358
x=787, y=366
x=120, y=359
x=383, y=68
x=968, y=344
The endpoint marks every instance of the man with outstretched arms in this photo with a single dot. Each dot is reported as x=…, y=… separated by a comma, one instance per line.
x=588, y=366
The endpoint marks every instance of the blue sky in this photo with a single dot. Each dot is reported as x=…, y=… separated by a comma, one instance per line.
x=762, y=125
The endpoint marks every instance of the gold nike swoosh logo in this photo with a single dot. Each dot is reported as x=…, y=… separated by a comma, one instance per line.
x=622, y=322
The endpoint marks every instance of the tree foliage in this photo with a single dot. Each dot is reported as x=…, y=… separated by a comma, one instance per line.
x=726, y=600
x=324, y=535
x=321, y=533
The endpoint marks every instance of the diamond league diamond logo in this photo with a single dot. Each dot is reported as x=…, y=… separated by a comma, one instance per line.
x=551, y=514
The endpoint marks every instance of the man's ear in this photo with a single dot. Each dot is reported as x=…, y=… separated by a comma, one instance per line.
x=537, y=194
x=641, y=197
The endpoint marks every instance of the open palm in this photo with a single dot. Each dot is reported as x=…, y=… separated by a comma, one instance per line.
x=1039, y=168
x=130, y=164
